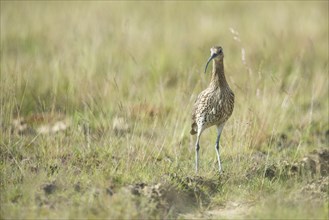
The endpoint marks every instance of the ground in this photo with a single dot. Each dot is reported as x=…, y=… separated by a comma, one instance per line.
x=96, y=100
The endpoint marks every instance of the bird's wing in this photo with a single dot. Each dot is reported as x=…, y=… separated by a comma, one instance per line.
x=196, y=106
x=199, y=106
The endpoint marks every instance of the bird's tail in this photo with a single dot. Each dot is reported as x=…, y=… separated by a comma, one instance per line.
x=193, y=129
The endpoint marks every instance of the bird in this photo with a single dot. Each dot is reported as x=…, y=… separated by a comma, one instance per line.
x=214, y=105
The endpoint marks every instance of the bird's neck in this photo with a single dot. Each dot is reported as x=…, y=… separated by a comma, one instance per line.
x=218, y=77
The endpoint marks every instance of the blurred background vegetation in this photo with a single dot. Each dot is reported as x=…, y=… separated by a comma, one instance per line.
x=125, y=75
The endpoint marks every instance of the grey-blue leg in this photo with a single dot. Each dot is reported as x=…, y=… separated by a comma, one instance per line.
x=219, y=131
x=197, y=147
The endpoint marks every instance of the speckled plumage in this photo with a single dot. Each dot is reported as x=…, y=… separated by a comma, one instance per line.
x=215, y=104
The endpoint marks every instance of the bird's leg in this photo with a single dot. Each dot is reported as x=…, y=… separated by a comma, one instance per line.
x=219, y=131
x=197, y=147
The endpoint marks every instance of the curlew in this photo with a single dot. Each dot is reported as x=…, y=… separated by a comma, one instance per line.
x=214, y=105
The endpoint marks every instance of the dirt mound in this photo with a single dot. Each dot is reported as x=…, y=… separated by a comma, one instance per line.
x=46, y=123
x=175, y=194
x=317, y=188
x=167, y=198
x=314, y=164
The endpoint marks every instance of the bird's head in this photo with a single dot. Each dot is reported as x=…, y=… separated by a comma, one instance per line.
x=216, y=53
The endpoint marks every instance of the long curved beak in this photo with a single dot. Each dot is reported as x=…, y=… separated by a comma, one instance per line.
x=210, y=58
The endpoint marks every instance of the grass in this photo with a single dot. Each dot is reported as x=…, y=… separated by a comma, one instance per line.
x=124, y=77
